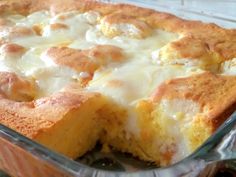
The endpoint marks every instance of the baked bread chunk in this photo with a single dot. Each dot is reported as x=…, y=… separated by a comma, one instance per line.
x=140, y=81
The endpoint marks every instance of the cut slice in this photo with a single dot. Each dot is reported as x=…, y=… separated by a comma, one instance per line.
x=178, y=118
x=188, y=111
x=65, y=122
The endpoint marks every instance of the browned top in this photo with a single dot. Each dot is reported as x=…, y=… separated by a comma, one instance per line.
x=141, y=30
x=215, y=94
x=16, y=88
x=12, y=50
x=84, y=60
x=72, y=58
x=104, y=54
x=212, y=40
x=190, y=48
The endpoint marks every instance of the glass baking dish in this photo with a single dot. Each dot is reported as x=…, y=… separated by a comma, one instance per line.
x=19, y=156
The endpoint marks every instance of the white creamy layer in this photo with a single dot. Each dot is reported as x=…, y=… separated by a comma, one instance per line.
x=126, y=83
x=176, y=117
x=135, y=80
x=83, y=33
x=229, y=67
x=50, y=78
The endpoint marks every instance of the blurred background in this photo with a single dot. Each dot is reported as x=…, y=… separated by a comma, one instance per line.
x=223, y=7
x=221, y=12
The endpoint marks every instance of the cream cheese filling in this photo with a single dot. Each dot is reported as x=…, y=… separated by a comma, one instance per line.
x=126, y=83
x=176, y=116
x=229, y=67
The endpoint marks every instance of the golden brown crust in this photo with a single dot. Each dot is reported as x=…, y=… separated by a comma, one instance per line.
x=15, y=6
x=72, y=58
x=31, y=118
x=16, y=88
x=217, y=39
x=215, y=95
x=116, y=24
x=84, y=60
x=104, y=54
x=204, y=89
x=199, y=50
x=11, y=49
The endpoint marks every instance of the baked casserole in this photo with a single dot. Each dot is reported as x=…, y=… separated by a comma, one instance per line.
x=76, y=72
